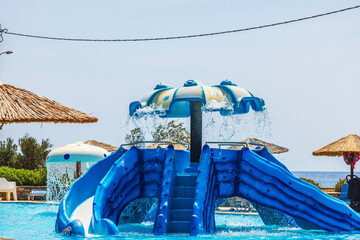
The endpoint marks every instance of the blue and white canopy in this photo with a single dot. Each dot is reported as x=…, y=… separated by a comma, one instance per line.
x=77, y=152
x=227, y=98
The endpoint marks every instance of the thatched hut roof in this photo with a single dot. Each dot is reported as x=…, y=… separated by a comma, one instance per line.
x=273, y=148
x=175, y=144
x=107, y=147
x=349, y=143
x=21, y=106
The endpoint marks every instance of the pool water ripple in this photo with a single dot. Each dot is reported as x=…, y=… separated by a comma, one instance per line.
x=37, y=221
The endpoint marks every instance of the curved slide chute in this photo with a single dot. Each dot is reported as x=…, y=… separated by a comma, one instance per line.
x=80, y=191
x=268, y=184
x=140, y=173
x=261, y=179
x=112, y=183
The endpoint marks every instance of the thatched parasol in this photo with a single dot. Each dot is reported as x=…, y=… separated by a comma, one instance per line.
x=175, y=144
x=341, y=147
x=105, y=146
x=273, y=148
x=350, y=143
x=21, y=106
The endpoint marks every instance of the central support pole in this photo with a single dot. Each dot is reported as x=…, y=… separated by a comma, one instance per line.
x=195, y=131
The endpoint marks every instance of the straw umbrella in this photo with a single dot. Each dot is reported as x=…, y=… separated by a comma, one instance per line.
x=107, y=147
x=348, y=147
x=21, y=106
x=273, y=148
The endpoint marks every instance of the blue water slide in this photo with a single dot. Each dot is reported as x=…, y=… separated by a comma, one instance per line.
x=268, y=184
x=81, y=190
x=139, y=173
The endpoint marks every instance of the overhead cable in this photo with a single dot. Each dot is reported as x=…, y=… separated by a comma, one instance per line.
x=176, y=37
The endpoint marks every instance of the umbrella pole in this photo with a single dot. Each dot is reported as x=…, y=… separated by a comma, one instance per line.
x=351, y=178
x=78, y=169
x=195, y=131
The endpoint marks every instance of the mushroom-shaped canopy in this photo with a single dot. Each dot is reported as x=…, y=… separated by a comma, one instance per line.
x=169, y=101
x=77, y=152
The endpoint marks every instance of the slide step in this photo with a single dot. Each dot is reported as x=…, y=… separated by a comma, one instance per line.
x=179, y=226
x=182, y=203
x=185, y=180
x=180, y=214
x=185, y=191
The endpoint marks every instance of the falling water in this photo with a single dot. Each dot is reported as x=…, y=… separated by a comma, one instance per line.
x=60, y=175
x=236, y=128
x=263, y=124
x=147, y=119
x=216, y=127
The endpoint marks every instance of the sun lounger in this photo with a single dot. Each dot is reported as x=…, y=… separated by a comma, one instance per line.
x=37, y=193
x=8, y=188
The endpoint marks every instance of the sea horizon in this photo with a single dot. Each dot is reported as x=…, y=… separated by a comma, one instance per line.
x=324, y=178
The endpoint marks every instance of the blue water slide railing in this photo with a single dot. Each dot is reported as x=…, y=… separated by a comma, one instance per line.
x=139, y=173
x=204, y=190
x=81, y=190
x=167, y=190
x=270, y=185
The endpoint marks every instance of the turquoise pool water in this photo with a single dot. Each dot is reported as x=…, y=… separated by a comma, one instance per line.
x=36, y=221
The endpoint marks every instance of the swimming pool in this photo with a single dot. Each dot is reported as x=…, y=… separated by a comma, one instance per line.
x=25, y=221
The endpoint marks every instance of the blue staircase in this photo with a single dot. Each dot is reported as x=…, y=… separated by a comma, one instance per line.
x=181, y=206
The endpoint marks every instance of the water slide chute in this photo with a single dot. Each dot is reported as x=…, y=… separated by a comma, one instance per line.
x=247, y=174
x=81, y=190
x=113, y=183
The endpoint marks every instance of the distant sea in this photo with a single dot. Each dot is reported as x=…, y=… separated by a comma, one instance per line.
x=325, y=179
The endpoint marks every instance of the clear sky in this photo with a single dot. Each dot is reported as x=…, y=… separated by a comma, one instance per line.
x=307, y=72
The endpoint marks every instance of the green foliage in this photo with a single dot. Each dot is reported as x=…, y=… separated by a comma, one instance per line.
x=66, y=179
x=33, y=155
x=8, y=151
x=311, y=182
x=339, y=185
x=136, y=135
x=24, y=177
x=173, y=131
